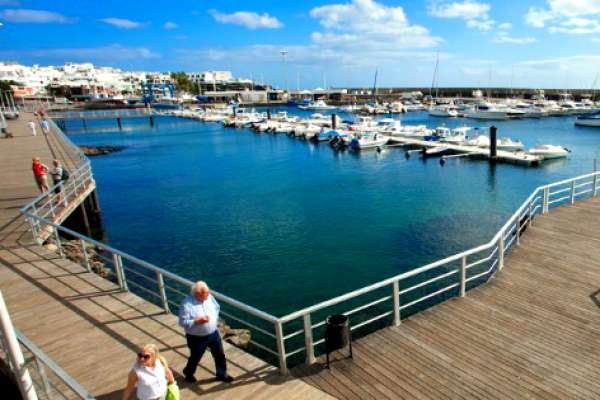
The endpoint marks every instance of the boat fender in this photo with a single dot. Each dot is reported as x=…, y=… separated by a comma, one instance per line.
x=379, y=149
x=442, y=161
x=567, y=150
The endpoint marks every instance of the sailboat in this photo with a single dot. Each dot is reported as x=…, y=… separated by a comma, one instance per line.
x=440, y=110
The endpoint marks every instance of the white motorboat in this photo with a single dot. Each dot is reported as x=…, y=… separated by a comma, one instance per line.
x=456, y=135
x=589, y=120
x=317, y=105
x=369, y=141
x=549, y=151
x=487, y=111
x=443, y=110
x=507, y=144
x=479, y=141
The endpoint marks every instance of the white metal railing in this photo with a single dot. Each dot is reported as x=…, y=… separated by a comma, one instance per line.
x=35, y=373
x=388, y=299
x=121, y=113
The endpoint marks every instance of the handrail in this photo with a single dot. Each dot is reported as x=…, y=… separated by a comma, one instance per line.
x=539, y=201
x=58, y=371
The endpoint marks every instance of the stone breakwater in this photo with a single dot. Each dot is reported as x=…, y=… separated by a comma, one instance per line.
x=100, y=150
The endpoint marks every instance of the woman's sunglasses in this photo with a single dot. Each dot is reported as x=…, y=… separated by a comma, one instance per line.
x=143, y=356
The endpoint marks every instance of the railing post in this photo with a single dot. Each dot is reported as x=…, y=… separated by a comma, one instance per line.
x=119, y=271
x=573, y=192
x=65, y=194
x=308, y=340
x=45, y=381
x=501, y=251
x=85, y=255
x=396, y=297
x=518, y=229
x=463, y=276
x=530, y=213
x=15, y=354
x=281, y=348
x=163, y=293
x=545, y=200
x=594, y=185
x=58, y=243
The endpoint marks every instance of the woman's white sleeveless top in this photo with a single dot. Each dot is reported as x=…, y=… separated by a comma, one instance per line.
x=152, y=384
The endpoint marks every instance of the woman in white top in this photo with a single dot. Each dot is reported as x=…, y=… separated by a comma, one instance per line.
x=150, y=374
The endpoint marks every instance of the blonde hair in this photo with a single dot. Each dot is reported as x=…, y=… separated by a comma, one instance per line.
x=152, y=348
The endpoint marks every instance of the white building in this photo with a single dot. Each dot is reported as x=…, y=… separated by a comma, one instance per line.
x=210, y=76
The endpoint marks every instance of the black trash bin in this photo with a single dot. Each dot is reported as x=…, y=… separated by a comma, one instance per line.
x=337, y=334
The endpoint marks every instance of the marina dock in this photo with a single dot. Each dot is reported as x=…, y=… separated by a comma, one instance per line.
x=531, y=331
x=509, y=157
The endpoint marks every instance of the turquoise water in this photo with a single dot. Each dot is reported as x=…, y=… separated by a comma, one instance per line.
x=282, y=223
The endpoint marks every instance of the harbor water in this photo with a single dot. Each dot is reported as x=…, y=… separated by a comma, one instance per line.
x=281, y=223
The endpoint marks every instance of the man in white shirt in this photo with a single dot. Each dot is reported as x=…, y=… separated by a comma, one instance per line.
x=199, y=315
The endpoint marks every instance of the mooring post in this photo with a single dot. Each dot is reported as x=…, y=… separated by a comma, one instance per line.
x=119, y=123
x=333, y=121
x=493, y=143
x=268, y=113
x=152, y=121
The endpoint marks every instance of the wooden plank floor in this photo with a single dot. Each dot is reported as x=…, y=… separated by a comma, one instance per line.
x=532, y=332
x=82, y=321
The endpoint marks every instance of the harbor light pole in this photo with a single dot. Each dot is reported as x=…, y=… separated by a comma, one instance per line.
x=284, y=54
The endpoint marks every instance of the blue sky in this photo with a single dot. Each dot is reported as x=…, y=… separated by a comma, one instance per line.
x=532, y=43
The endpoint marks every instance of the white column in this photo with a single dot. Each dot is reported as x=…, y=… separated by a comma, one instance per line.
x=14, y=353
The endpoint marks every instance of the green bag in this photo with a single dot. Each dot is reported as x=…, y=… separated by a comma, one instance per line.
x=172, y=392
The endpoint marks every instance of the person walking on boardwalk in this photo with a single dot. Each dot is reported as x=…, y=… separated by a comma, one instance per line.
x=58, y=174
x=31, y=126
x=39, y=173
x=150, y=375
x=199, y=315
x=45, y=126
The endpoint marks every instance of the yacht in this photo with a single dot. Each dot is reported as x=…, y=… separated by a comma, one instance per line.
x=507, y=144
x=487, y=111
x=317, y=105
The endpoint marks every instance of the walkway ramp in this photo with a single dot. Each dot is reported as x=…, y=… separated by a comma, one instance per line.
x=531, y=332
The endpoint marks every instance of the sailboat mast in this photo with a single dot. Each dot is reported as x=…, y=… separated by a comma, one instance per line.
x=434, y=81
x=375, y=87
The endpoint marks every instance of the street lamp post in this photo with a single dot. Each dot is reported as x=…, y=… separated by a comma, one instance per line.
x=284, y=55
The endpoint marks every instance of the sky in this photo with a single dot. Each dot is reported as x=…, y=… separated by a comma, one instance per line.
x=335, y=43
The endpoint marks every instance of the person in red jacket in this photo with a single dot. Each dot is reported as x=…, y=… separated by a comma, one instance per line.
x=39, y=173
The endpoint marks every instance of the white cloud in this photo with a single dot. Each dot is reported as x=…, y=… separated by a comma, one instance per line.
x=466, y=10
x=504, y=37
x=365, y=24
x=250, y=20
x=115, y=52
x=473, y=12
x=356, y=34
x=505, y=26
x=567, y=16
x=538, y=17
x=23, y=16
x=170, y=25
x=122, y=23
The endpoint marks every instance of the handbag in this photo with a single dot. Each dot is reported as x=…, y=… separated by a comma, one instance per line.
x=172, y=392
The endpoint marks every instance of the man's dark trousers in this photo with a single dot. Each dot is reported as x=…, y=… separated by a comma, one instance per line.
x=198, y=345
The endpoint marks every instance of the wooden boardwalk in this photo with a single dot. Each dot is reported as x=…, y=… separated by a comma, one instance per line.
x=532, y=332
x=82, y=321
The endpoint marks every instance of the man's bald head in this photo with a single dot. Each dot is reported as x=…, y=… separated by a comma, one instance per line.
x=200, y=291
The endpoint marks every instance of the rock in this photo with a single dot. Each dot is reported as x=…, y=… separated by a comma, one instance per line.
x=51, y=247
x=237, y=337
x=100, y=150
